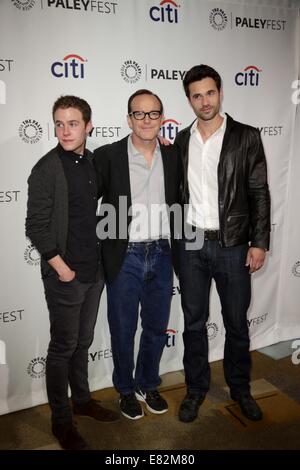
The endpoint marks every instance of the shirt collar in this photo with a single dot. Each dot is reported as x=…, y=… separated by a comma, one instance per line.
x=70, y=154
x=220, y=129
x=134, y=152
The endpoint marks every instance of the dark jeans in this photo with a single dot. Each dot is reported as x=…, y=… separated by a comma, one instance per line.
x=73, y=308
x=146, y=279
x=227, y=267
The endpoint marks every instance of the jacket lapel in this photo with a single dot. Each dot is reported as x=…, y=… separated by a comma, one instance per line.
x=124, y=169
x=167, y=171
x=226, y=138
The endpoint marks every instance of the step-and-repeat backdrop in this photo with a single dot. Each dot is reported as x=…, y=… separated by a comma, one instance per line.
x=103, y=51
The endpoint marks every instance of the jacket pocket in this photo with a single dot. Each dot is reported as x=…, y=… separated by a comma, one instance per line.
x=237, y=227
x=234, y=216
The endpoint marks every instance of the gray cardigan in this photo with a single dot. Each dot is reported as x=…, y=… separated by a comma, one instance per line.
x=47, y=207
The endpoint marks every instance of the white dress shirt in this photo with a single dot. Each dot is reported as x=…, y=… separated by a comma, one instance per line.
x=203, y=210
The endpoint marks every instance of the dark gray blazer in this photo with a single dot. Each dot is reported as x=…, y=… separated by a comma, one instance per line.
x=112, y=167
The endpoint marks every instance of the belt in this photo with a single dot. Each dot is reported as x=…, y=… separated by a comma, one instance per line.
x=211, y=235
x=149, y=242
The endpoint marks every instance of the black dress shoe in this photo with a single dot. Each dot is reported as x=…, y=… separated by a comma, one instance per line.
x=68, y=436
x=93, y=409
x=189, y=407
x=248, y=406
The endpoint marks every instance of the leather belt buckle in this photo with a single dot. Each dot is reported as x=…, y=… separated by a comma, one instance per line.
x=211, y=235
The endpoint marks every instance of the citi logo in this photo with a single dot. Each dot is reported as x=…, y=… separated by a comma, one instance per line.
x=171, y=338
x=167, y=11
x=72, y=66
x=169, y=129
x=249, y=76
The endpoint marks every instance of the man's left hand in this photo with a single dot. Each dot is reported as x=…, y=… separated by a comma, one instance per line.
x=163, y=140
x=255, y=259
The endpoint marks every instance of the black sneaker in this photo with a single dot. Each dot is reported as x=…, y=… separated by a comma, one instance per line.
x=68, y=436
x=155, y=403
x=130, y=407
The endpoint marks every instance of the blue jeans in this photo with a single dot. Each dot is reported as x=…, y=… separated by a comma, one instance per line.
x=227, y=267
x=145, y=279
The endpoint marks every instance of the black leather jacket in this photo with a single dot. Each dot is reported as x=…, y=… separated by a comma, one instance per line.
x=244, y=199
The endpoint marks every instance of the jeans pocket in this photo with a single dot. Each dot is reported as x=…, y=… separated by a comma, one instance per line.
x=66, y=283
x=164, y=248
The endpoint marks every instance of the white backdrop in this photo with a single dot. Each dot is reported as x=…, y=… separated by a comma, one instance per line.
x=103, y=51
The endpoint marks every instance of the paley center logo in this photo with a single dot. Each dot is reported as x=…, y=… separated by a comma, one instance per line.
x=30, y=131
x=249, y=76
x=270, y=131
x=85, y=5
x=106, y=132
x=24, y=5
x=99, y=355
x=255, y=321
x=37, y=367
x=259, y=23
x=218, y=19
x=166, y=74
x=71, y=66
x=171, y=337
x=169, y=129
x=296, y=269
x=131, y=71
x=32, y=256
x=212, y=330
x=166, y=12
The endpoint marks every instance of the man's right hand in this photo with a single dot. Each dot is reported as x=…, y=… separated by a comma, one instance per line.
x=65, y=274
x=68, y=276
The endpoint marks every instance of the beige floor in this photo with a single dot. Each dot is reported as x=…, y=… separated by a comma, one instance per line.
x=220, y=424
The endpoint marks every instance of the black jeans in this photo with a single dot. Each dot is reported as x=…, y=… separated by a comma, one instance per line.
x=73, y=308
x=227, y=267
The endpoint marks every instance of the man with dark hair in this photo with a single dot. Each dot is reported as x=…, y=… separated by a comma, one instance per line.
x=226, y=190
x=137, y=263
x=61, y=223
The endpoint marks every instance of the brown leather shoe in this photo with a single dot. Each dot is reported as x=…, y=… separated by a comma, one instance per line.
x=93, y=409
x=68, y=436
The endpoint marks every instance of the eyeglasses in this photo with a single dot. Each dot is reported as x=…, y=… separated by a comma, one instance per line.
x=139, y=115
